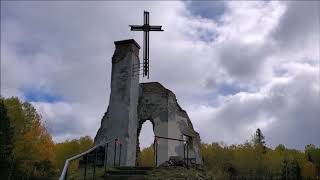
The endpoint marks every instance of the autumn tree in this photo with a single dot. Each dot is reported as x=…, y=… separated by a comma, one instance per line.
x=313, y=155
x=69, y=148
x=33, y=149
x=309, y=171
x=146, y=157
x=280, y=148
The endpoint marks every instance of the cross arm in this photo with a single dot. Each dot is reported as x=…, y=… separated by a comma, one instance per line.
x=155, y=28
x=145, y=28
x=136, y=28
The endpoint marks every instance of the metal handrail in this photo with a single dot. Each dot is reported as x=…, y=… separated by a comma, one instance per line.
x=175, y=139
x=65, y=168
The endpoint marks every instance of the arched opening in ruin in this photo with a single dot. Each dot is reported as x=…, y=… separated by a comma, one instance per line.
x=145, y=144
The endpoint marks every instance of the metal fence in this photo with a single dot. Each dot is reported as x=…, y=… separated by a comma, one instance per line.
x=104, y=146
x=116, y=162
x=185, y=149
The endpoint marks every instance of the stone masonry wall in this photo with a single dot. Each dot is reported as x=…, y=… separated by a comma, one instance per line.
x=132, y=103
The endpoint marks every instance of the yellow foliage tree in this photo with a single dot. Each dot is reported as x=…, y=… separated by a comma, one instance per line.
x=146, y=157
x=309, y=171
x=34, y=150
x=67, y=149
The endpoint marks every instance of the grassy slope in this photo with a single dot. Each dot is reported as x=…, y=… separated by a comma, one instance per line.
x=171, y=173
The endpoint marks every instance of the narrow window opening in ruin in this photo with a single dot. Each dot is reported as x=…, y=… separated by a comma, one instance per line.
x=146, y=145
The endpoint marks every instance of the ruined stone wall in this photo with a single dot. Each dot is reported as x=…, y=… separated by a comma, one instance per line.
x=132, y=103
x=158, y=104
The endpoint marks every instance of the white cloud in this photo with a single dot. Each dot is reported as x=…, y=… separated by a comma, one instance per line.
x=285, y=109
x=69, y=120
x=146, y=137
x=65, y=49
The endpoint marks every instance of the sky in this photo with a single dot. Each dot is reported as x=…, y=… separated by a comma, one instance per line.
x=234, y=66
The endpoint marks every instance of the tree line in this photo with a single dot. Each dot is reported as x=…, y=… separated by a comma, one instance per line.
x=254, y=160
x=27, y=151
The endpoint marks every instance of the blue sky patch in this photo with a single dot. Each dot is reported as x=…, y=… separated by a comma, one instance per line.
x=33, y=95
x=27, y=48
x=207, y=9
x=208, y=36
x=229, y=89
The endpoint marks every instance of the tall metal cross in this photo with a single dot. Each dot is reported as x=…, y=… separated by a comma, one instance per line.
x=145, y=28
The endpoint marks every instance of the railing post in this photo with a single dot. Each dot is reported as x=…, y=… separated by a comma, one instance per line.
x=65, y=178
x=120, y=153
x=85, y=154
x=105, y=156
x=184, y=153
x=94, y=164
x=115, y=152
x=156, y=151
x=85, y=168
x=187, y=156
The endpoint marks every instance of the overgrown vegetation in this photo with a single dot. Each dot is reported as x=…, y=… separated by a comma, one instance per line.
x=27, y=150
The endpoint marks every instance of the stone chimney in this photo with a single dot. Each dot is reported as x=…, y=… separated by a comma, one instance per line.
x=121, y=119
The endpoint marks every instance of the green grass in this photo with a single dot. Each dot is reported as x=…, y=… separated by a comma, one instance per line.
x=176, y=173
x=168, y=173
x=80, y=173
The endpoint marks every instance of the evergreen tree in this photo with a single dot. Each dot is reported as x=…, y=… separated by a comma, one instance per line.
x=259, y=138
x=290, y=170
x=308, y=151
x=6, y=141
x=259, y=141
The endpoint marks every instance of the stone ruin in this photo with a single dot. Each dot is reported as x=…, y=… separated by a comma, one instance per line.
x=132, y=103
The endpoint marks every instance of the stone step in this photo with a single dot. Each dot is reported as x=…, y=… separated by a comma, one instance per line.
x=124, y=177
x=134, y=168
x=127, y=172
